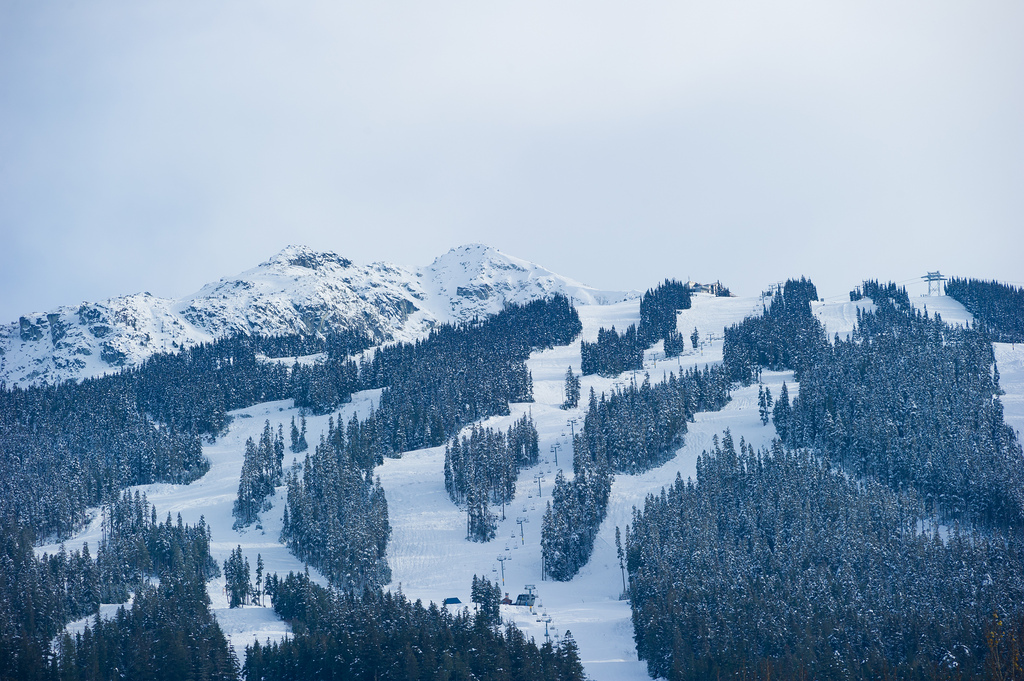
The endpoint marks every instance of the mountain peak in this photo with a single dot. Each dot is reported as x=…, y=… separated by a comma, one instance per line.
x=478, y=257
x=480, y=280
x=297, y=255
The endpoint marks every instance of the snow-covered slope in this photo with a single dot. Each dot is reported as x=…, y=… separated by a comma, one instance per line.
x=296, y=291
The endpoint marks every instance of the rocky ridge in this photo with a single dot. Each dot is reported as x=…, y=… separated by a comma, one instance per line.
x=298, y=290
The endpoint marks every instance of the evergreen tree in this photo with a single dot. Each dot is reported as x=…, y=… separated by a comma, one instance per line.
x=302, y=444
x=571, y=668
x=294, y=437
x=259, y=588
x=487, y=596
x=621, y=556
x=781, y=414
x=764, y=403
x=481, y=524
x=237, y=579
x=572, y=390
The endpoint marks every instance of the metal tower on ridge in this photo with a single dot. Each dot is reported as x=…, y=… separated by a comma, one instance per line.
x=935, y=279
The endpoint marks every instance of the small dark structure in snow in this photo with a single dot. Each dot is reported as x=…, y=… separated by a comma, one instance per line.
x=526, y=600
x=452, y=601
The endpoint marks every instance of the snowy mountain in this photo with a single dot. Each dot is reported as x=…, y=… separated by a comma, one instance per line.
x=477, y=280
x=296, y=291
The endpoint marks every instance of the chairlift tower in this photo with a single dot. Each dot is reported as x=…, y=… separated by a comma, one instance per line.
x=501, y=559
x=935, y=279
x=520, y=520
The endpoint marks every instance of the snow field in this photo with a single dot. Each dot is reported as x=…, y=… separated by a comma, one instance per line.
x=841, y=317
x=1010, y=363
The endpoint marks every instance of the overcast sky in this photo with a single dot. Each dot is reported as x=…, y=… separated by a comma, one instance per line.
x=160, y=145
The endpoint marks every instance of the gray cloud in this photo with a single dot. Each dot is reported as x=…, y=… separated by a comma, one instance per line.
x=156, y=146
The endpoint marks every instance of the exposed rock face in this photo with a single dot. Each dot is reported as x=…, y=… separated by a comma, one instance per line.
x=30, y=331
x=296, y=291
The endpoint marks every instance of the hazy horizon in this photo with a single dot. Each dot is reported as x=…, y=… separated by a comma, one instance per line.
x=160, y=147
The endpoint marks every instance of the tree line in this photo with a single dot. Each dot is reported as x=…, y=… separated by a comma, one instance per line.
x=136, y=547
x=998, y=307
x=481, y=469
x=238, y=581
x=659, y=308
x=336, y=518
x=631, y=431
x=261, y=474
x=461, y=374
x=168, y=633
x=785, y=336
x=65, y=448
x=615, y=353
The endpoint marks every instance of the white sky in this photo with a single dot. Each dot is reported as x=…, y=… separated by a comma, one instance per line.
x=160, y=145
